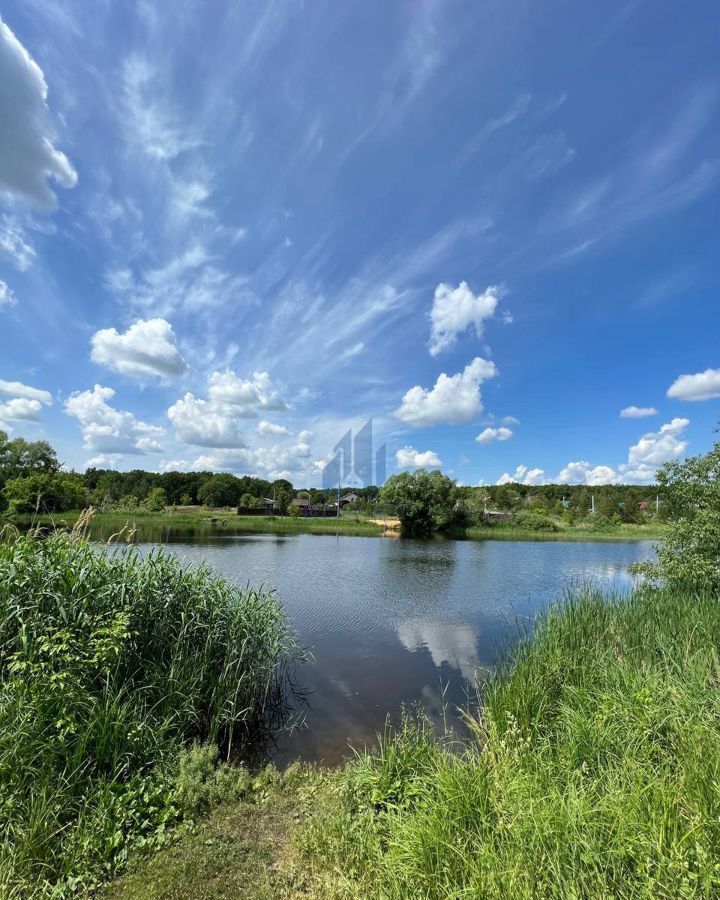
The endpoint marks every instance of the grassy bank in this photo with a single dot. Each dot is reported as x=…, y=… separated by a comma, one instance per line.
x=168, y=525
x=110, y=666
x=158, y=526
x=592, y=773
x=565, y=532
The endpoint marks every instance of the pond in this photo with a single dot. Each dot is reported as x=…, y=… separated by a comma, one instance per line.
x=392, y=622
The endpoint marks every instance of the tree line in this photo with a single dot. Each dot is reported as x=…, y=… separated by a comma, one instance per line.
x=31, y=478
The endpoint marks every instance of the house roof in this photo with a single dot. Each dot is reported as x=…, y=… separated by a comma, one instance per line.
x=301, y=501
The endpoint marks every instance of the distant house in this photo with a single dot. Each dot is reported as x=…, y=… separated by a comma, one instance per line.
x=269, y=503
x=352, y=497
x=302, y=502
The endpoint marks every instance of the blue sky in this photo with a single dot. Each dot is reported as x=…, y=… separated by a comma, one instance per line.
x=230, y=231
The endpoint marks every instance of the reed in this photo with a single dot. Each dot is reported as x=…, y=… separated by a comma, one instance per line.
x=592, y=772
x=110, y=663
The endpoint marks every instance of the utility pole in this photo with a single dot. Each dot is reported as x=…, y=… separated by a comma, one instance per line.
x=592, y=501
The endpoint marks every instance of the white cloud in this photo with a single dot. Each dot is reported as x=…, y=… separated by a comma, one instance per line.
x=453, y=399
x=189, y=281
x=27, y=155
x=494, y=434
x=637, y=412
x=582, y=472
x=14, y=244
x=271, y=462
x=455, y=310
x=408, y=458
x=523, y=475
x=244, y=395
x=7, y=298
x=107, y=430
x=150, y=124
x=174, y=465
x=201, y=423
x=702, y=386
x=20, y=409
x=148, y=347
x=510, y=420
x=268, y=428
x=651, y=451
x=654, y=449
x=16, y=389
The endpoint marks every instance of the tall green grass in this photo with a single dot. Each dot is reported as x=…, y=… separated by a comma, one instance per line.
x=593, y=771
x=109, y=664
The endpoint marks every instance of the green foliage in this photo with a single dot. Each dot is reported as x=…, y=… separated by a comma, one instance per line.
x=202, y=781
x=220, y=490
x=156, y=500
x=530, y=520
x=109, y=663
x=20, y=457
x=293, y=511
x=45, y=492
x=690, y=555
x=424, y=501
x=249, y=502
x=592, y=772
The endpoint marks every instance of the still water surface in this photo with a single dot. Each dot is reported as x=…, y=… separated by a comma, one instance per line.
x=393, y=622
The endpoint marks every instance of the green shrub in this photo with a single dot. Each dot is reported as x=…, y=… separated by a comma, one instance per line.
x=109, y=664
x=533, y=521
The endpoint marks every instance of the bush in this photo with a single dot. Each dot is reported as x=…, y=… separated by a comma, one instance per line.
x=533, y=521
x=109, y=664
x=156, y=500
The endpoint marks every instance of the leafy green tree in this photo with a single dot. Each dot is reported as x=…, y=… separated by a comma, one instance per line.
x=424, y=501
x=45, y=492
x=20, y=457
x=220, y=490
x=690, y=554
x=156, y=500
x=249, y=502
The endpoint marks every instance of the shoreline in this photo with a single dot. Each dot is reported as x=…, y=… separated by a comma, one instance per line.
x=219, y=522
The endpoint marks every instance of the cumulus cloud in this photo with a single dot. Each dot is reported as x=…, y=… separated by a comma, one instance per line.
x=494, y=434
x=203, y=424
x=18, y=390
x=637, y=412
x=270, y=428
x=582, y=472
x=270, y=462
x=408, y=458
x=7, y=298
x=455, y=309
x=148, y=347
x=245, y=396
x=20, y=409
x=651, y=451
x=107, y=430
x=654, y=449
x=509, y=420
x=702, y=386
x=523, y=475
x=453, y=399
x=28, y=156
